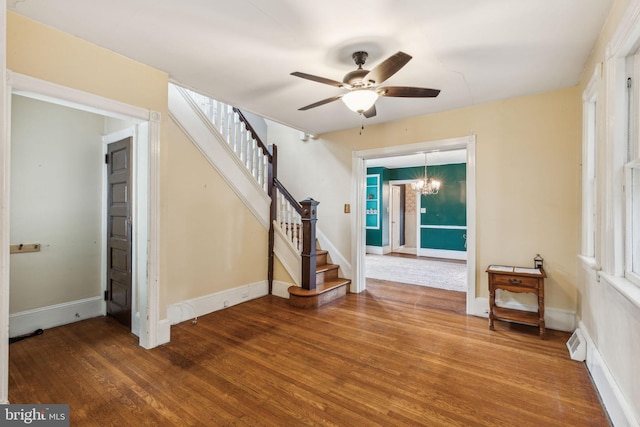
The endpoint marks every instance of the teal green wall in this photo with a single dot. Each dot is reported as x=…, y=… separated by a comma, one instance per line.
x=448, y=207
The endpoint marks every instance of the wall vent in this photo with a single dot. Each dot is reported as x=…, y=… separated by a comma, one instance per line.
x=577, y=346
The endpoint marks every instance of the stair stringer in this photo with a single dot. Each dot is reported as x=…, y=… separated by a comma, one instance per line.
x=215, y=149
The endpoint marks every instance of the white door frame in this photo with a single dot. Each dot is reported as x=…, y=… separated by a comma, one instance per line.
x=358, y=235
x=148, y=123
x=392, y=202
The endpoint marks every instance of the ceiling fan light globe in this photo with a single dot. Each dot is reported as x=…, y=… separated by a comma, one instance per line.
x=360, y=101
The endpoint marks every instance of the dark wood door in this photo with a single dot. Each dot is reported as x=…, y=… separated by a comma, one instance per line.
x=118, y=294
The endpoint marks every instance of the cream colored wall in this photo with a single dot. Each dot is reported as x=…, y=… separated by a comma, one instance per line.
x=216, y=243
x=56, y=201
x=48, y=54
x=527, y=179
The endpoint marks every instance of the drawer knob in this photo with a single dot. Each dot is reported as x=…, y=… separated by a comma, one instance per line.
x=515, y=281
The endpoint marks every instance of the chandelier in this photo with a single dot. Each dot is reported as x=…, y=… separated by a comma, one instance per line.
x=426, y=185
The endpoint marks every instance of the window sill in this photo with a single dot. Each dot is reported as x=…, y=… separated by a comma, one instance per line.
x=626, y=288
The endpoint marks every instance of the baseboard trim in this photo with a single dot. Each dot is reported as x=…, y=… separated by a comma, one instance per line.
x=51, y=316
x=554, y=318
x=619, y=410
x=164, y=331
x=280, y=289
x=442, y=253
x=375, y=250
x=190, y=309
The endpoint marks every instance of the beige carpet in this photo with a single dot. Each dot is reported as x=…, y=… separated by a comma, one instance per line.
x=417, y=271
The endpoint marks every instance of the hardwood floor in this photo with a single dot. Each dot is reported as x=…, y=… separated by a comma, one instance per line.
x=392, y=356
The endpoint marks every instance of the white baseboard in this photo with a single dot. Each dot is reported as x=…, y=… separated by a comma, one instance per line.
x=280, y=289
x=190, y=309
x=617, y=407
x=442, y=253
x=164, y=331
x=51, y=316
x=554, y=318
x=375, y=250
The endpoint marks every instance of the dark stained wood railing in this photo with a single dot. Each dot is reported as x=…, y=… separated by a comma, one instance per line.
x=307, y=209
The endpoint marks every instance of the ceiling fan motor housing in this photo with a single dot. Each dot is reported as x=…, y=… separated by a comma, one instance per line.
x=355, y=78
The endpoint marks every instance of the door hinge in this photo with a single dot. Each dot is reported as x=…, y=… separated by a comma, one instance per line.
x=106, y=295
x=106, y=158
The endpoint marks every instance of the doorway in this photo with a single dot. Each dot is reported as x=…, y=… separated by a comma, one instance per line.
x=359, y=236
x=145, y=185
x=397, y=217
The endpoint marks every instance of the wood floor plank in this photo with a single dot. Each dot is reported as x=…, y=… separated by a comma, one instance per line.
x=395, y=355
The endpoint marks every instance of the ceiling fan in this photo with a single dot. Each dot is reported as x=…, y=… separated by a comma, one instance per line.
x=363, y=84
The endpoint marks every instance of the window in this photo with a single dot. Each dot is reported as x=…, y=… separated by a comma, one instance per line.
x=589, y=135
x=632, y=173
x=632, y=264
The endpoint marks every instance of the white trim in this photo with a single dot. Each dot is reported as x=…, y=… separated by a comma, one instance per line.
x=624, y=287
x=29, y=86
x=618, y=408
x=358, y=171
x=589, y=163
x=446, y=227
x=442, y=253
x=334, y=254
x=208, y=140
x=375, y=250
x=196, y=307
x=150, y=305
x=287, y=254
x=54, y=315
x=281, y=289
x=5, y=175
x=43, y=90
x=554, y=318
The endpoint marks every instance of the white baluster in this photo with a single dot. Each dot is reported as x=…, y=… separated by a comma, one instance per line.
x=250, y=155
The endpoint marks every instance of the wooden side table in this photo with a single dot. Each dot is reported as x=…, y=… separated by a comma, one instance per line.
x=519, y=280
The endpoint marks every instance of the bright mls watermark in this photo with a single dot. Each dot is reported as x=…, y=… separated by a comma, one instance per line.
x=34, y=415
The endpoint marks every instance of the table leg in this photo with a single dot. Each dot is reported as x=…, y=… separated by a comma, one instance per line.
x=492, y=301
x=543, y=330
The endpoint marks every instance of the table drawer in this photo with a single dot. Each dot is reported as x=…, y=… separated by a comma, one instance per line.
x=527, y=282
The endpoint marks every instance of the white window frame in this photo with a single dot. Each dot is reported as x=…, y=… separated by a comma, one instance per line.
x=589, y=167
x=632, y=247
x=622, y=121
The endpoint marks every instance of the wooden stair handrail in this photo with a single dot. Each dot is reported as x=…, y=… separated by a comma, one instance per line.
x=253, y=133
x=297, y=206
x=306, y=209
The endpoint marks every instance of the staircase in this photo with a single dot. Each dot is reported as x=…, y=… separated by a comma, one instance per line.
x=329, y=286
x=228, y=141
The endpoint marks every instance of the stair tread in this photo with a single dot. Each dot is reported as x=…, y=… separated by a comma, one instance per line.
x=322, y=288
x=326, y=267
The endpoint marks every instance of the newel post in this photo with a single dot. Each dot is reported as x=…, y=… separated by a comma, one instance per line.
x=309, y=218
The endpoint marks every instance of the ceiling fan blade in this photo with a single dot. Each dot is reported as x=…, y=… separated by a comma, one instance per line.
x=387, y=68
x=371, y=112
x=408, y=92
x=319, y=79
x=319, y=103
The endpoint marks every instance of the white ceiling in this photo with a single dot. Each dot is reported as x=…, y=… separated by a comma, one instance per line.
x=243, y=51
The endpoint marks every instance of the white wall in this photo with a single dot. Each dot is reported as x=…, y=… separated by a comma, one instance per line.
x=56, y=201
